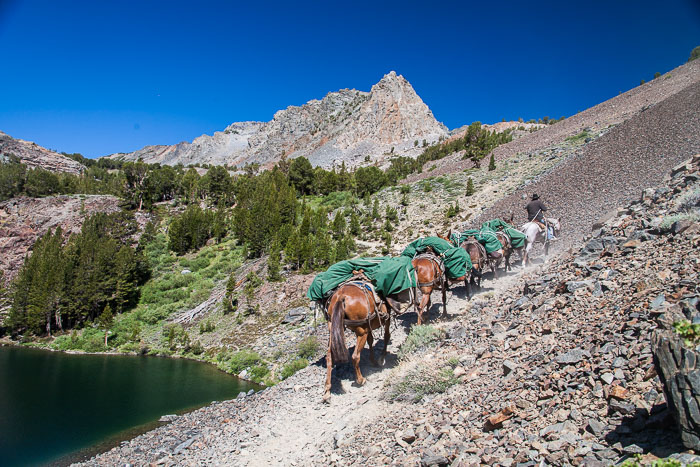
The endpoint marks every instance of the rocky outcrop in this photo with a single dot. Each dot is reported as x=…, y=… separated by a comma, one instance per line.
x=219, y=149
x=24, y=220
x=34, y=155
x=680, y=371
x=345, y=126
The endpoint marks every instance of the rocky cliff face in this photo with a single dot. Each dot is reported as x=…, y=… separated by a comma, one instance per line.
x=345, y=126
x=23, y=220
x=34, y=155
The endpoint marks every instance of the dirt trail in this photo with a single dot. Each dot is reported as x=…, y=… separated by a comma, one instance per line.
x=301, y=427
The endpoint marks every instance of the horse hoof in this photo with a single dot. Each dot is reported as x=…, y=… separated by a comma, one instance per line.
x=361, y=382
x=326, y=399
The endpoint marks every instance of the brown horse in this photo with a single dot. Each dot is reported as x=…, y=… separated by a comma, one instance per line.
x=430, y=276
x=353, y=306
x=504, y=238
x=477, y=254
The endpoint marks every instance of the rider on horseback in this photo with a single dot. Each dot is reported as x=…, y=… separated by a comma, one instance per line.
x=535, y=210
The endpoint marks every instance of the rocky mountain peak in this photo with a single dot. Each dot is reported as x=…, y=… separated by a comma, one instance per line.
x=344, y=126
x=394, y=84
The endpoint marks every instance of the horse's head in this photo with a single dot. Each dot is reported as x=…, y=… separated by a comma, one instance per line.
x=556, y=225
x=446, y=236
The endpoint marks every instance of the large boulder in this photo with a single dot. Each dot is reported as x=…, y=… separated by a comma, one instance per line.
x=679, y=369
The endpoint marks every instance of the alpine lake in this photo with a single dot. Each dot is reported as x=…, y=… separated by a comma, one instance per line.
x=58, y=408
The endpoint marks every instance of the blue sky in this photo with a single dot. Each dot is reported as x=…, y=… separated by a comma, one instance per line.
x=98, y=77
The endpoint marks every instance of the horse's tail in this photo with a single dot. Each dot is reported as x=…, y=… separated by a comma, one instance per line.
x=339, y=352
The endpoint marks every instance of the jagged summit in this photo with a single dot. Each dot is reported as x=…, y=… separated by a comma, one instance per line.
x=345, y=126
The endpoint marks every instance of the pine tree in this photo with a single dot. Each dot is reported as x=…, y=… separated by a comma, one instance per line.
x=273, y=262
x=305, y=227
x=470, y=187
x=292, y=250
x=339, y=225
x=388, y=227
x=387, y=243
x=105, y=321
x=136, y=186
x=125, y=271
x=375, y=209
x=492, y=163
x=220, y=223
x=189, y=184
x=251, y=285
x=355, y=228
x=231, y=298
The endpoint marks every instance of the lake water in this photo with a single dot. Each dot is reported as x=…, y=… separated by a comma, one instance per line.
x=58, y=408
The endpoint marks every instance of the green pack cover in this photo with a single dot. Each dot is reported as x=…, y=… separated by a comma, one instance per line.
x=485, y=236
x=517, y=238
x=388, y=275
x=457, y=261
x=393, y=275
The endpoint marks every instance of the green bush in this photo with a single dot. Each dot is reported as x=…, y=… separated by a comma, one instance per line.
x=154, y=315
x=689, y=332
x=130, y=347
x=199, y=263
x=125, y=330
x=290, y=368
x=419, y=338
x=206, y=327
x=243, y=359
x=579, y=137
x=62, y=343
x=689, y=200
x=89, y=340
x=670, y=220
x=258, y=373
x=424, y=379
x=197, y=348
x=695, y=53
x=308, y=347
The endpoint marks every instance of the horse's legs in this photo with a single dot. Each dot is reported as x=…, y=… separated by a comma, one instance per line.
x=424, y=302
x=361, y=340
x=468, y=285
x=387, y=337
x=370, y=342
x=416, y=304
x=329, y=369
x=526, y=261
x=444, y=297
